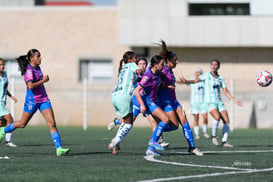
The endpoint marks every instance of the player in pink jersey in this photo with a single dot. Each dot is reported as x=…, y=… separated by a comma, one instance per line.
x=36, y=98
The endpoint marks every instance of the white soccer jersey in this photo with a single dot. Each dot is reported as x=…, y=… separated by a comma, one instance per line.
x=3, y=87
x=197, y=92
x=212, y=87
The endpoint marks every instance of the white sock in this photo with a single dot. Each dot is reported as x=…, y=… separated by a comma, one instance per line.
x=214, y=128
x=225, y=132
x=8, y=137
x=205, y=128
x=123, y=130
x=196, y=130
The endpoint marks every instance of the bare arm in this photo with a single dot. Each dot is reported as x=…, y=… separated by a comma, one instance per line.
x=231, y=97
x=139, y=99
x=13, y=98
x=32, y=85
x=182, y=80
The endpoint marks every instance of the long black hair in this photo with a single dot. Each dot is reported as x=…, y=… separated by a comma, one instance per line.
x=165, y=53
x=217, y=61
x=126, y=56
x=24, y=60
x=142, y=58
x=156, y=60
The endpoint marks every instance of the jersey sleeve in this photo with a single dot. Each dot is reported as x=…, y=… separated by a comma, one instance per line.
x=134, y=67
x=28, y=75
x=144, y=81
x=223, y=84
x=202, y=77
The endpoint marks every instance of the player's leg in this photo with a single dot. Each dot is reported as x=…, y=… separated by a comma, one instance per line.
x=187, y=131
x=48, y=114
x=205, y=124
x=8, y=141
x=225, y=130
x=216, y=119
x=196, y=125
x=116, y=121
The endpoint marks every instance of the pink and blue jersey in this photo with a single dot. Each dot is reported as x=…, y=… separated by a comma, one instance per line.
x=169, y=79
x=150, y=83
x=37, y=94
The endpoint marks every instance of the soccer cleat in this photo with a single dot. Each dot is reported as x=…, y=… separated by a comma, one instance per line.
x=197, y=137
x=215, y=141
x=164, y=144
x=157, y=146
x=151, y=151
x=225, y=144
x=62, y=151
x=10, y=144
x=195, y=151
x=111, y=125
x=112, y=147
x=2, y=133
x=206, y=135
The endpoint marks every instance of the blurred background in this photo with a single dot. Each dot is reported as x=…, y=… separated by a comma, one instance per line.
x=85, y=40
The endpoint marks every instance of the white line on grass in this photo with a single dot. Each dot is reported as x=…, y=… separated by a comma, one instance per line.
x=5, y=157
x=227, y=151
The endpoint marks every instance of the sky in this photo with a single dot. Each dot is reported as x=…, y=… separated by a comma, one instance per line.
x=104, y=2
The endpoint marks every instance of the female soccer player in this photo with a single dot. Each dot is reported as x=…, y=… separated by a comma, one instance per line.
x=213, y=82
x=149, y=103
x=168, y=100
x=5, y=115
x=198, y=105
x=122, y=96
x=36, y=98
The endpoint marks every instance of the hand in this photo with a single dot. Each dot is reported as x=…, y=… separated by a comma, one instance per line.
x=45, y=78
x=14, y=99
x=142, y=109
x=238, y=103
x=182, y=80
x=171, y=87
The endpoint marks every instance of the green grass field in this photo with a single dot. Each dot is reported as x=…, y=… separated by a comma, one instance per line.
x=90, y=160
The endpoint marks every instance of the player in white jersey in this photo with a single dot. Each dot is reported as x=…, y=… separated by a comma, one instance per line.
x=5, y=116
x=198, y=105
x=213, y=82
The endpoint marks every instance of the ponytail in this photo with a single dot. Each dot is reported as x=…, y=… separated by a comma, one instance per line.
x=22, y=63
x=126, y=56
x=120, y=66
x=165, y=53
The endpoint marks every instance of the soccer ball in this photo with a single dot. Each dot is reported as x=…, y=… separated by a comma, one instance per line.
x=264, y=78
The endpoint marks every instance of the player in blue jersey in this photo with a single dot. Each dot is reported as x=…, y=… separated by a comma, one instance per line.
x=5, y=116
x=122, y=96
x=213, y=83
x=169, y=102
x=36, y=98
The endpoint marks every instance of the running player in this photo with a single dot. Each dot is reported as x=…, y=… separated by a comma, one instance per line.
x=5, y=115
x=213, y=82
x=169, y=102
x=122, y=96
x=198, y=105
x=36, y=98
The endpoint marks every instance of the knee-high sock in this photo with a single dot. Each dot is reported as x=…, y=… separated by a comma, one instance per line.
x=117, y=121
x=196, y=130
x=188, y=134
x=158, y=131
x=225, y=132
x=9, y=128
x=56, y=139
x=205, y=128
x=123, y=131
x=8, y=137
x=214, y=128
x=170, y=127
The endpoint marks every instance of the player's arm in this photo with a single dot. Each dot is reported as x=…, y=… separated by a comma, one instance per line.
x=32, y=85
x=139, y=71
x=13, y=98
x=227, y=93
x=182, y=80
x=139, y=99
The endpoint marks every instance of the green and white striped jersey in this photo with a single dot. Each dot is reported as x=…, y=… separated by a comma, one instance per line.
x=3, y=87
x=197, y=92
x=126, y=80
x=212, y=87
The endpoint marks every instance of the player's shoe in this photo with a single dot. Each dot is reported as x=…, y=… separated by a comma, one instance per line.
x=157, y=146
x=111, y=125
x=164, y=144
x=2, y=133
x=10, y=144
x=195, y=151
x=197, y=137
x=117, y=146
x=215, y=141
x=112, y=147
x=62, y=151
x=151, y=151
x=206, y=135
x=225, y=144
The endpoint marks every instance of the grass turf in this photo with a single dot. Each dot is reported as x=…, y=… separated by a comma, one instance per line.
x=90, y=160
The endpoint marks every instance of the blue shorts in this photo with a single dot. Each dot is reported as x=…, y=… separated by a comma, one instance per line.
x=31, y=107
x=151, y=106
x=167, y=105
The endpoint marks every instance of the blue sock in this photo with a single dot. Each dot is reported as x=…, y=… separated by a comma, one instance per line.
x=188, y=134
x=117, y=121
x=9, y=128
x=56, y=139
x=170, y=127
x=158, y=131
